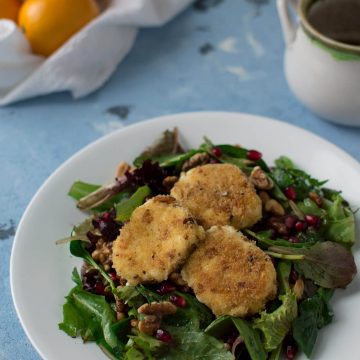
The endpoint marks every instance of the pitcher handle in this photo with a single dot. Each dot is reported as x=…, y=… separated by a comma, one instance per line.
x=287, y=23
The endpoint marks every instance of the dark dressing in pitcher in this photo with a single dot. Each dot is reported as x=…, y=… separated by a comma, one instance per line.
x=337, y=19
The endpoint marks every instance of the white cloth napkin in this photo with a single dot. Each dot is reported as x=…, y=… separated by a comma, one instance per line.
x=87, y=60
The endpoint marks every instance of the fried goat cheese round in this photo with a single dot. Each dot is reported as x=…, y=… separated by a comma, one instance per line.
x=159, y=237
x=230, y=274
x=219, y=194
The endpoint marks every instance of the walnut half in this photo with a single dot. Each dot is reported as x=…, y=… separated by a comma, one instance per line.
x=260, y=180
x=153, y=314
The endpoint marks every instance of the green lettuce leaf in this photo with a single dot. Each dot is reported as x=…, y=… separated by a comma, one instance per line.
x=314, y=313
x=91, y=317
x=125, y=208
x=340, y=222
x=275, y=326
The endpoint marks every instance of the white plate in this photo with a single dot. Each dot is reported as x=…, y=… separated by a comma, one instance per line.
x=40, y=270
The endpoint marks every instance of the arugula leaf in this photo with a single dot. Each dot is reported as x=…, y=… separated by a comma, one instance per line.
x=80, y=189
x=125, y=208
x=285, y=174
x=194, y=345
x=91, y=317
x=77, y=249
x=275, y=326
x=314, y=313
x=144, y=347
x=252, y=339
x=264, y=240
x=340, y=222
x=328, y=264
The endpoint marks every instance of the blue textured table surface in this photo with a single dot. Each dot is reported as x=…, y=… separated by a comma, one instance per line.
x=225, y=57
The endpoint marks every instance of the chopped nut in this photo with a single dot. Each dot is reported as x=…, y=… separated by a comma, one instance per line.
x=177, y=279
x=260, y=179
x=122, y=168
x=158, y=308
x=278, y=225
x=274, y=207
x=120, y=316
x=316, y=198
x=264, y=196
x=134, y=323
x=149, y=324
x=169, y=182
x=103, y=253
x=299, y=289
x=196, y=160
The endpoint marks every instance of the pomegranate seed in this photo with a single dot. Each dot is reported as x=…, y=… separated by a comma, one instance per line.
x=293, y=239
x=216, y=151
x=312, y=220
x=300, y=225
x=293, y=276
x=290, y=221
x=163, y=335
x=113, y=276
x=290, y=193
x=178, y=301
x=99, y=289
x=254, y=155
x=291, y=351
x=165, y=288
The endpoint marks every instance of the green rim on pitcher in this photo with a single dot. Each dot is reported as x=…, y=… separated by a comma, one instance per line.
x=338, y=50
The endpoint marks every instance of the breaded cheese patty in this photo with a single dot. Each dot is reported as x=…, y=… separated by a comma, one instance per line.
x=219, y=194
x=159, y=237
x=230, y=274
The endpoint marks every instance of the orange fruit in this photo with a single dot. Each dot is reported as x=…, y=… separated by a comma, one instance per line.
x=48, y=24
x=9, y=9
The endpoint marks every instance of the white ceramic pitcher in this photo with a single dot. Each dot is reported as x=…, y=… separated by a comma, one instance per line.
x=324, y=74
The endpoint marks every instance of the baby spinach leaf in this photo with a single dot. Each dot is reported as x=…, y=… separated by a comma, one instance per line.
x=125, y=208
x=145, y=345
x=195, y=316
x=219, y=326
x=275, y=326
x=252, y=339
x=314, y=313
x=340, y=222
x=89, y=316
x=328, y=264
x=194, y=345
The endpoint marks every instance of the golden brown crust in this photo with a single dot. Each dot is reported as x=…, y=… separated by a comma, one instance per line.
x=230, y=274
x=159, y=237
x=219, y=194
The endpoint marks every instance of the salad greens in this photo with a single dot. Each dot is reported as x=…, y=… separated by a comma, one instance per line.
x=310, y=246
